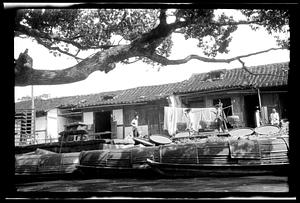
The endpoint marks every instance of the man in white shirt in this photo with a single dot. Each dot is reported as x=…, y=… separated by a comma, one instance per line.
x=134, y=124
x=274, y=117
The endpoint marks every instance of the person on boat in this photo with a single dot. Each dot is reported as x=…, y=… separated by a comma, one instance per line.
x=219, y=117
x=189, y=126
x=134, y=124
x=274, y=117
x=257, y=117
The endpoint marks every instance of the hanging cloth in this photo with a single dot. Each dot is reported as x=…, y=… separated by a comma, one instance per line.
x=193, y=119
x=173, y=115
x=201, y=115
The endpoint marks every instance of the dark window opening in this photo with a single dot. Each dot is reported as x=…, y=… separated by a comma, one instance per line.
x=284, y=105
x=74, y=119
x=215, y=75
x=108, y=97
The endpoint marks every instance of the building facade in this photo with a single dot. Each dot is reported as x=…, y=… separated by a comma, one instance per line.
x=242, y=92
x=108, y=115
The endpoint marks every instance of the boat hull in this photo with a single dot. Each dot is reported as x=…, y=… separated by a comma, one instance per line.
x=191, y=170
x=32, y=167
x=223, y=158
x=24, y=178
x=117, y=172
x=226, y=157
x=130, y=162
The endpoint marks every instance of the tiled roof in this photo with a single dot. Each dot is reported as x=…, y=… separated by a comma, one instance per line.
x=128, y=96
x=271, y=75
x=274, y=75
x=44, y=105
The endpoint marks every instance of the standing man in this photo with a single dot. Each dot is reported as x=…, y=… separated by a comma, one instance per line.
x=257, y=117
x=134, y=124
x=274, y=117
x=220, y=117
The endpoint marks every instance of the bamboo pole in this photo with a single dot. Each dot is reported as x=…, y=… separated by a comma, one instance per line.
x=32, y=114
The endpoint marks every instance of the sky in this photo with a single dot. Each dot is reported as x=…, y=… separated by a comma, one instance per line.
x=244, y=41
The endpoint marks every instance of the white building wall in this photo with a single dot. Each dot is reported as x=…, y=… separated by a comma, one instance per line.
x=52, y=125
x=120, y=132
x=61, y=122
x=40, y=123
x=88, y=118
x=118, y=117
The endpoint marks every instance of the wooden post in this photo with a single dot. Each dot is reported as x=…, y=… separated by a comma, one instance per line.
x=123, y=115
x=260, y=107
x=158, y=111
x=224, y=116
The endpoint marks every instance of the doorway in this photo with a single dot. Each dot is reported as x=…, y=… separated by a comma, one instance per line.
x=251, y=104
x=102, y=121
x=284, y=101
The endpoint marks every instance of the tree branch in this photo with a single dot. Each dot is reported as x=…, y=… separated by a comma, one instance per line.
x=180, y=24
x=242, y=22
x=164, y=61
x=247, y=70
x=102, y=60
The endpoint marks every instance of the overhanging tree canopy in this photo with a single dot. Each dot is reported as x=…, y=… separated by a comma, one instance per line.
x=145, y=35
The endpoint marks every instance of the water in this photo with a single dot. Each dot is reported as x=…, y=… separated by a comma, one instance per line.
x=274, y=184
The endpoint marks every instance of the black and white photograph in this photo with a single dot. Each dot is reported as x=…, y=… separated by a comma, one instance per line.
x=155, y=101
